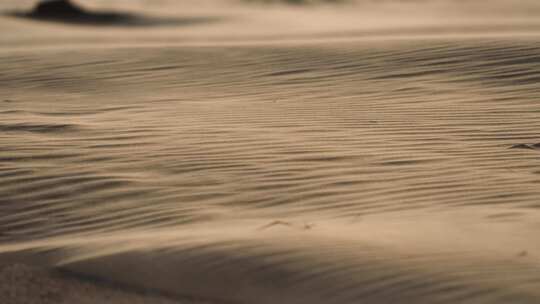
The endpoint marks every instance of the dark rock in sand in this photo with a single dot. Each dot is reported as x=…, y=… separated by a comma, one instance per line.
x=67, y=11
x=58, y=9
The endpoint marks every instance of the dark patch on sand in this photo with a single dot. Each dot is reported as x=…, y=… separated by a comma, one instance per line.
x=37, y=128
x=305, y=226
x=526, y=146
x=66, y=12
x=275, y=223
x=523, y=254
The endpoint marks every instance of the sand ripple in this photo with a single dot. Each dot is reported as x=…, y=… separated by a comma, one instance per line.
x=333, y=140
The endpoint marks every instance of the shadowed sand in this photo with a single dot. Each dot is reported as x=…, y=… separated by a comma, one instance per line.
x=26, y=277
x=20, y=283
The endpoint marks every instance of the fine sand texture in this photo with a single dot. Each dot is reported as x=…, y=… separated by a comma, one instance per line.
x=258, y=152
x=22, y=284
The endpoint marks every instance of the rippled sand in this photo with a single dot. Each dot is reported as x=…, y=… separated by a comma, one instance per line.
x=354, y=153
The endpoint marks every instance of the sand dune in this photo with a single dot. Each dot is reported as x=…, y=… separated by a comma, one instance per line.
x=357, y=152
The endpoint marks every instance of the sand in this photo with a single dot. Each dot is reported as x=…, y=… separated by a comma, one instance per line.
x=248, y=152
x=23, y=284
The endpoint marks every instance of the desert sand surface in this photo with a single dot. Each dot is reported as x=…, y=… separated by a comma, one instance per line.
x=21, y=283
x=224, y=151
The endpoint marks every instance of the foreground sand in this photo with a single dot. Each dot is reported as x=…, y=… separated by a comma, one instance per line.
x=25, y=284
